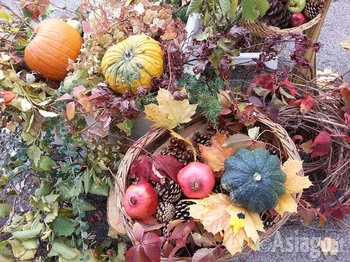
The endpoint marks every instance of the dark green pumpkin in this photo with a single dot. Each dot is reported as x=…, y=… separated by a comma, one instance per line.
x=254, y=179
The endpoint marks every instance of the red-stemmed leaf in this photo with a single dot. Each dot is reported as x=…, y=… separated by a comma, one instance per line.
x=138, y=231
x=137, y=254
x=322, y=144
x=167, y=165
x=70, y=110
x=142, y=169
x=9, y=96
x=77, y=90
x=305, y=103
x=290, y=87
x=152, y=245
x=85, y=102
x=65, y=97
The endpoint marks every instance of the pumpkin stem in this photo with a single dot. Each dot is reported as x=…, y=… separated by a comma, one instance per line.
x=128, y=54
x=195, y=184
x=257, y=176
x=133, y=200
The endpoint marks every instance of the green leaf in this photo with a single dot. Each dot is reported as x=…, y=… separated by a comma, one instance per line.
x=98, y=189
x=253, y=8
x=63, y=226
x=46, y=163
x=225, y=6
x=85, y=206
x=48, y=10
x=87, y=180
x=50, y=199
x=27, y=234
x=127, y=126
x=6, y=254
x=34, y=153
x=121, y=251
x=20, y=251
x=49, y=217
x=30, y=243
x=28, y=137
x=43, y=190
x=2, y=244
x=194, y=6
x=4, y=210
x=64, y=251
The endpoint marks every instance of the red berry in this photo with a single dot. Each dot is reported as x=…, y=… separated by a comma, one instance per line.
x=92, y=219
x=1, y=201
x=109, y=253
x=96, y=255
x=49, y=250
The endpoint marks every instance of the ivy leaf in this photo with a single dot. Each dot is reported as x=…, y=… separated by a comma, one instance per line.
x=46, y=163
x=34, y=153
x=215, y=155
x=252, y=9
x=322, y=144
x=169, y=112
x=4, y=210
x=194, y=6
x=63, y=226
x=294, y=184
x=70, y=110
x=127, y=126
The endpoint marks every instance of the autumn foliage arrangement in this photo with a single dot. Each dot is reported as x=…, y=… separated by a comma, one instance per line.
x=73, y=91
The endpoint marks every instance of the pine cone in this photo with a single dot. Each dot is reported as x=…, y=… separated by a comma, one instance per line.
x=169, y=191
x=267, y=219
x=277, y=15
x=182, y=209
x=165, y=212
x=313, y=8
x=202, y=139
x=180, y=150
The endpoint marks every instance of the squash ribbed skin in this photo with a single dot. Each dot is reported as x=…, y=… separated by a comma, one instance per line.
x=132, y=63
x=245, y=190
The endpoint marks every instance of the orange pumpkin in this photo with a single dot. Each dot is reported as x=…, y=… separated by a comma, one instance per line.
x=53, y=43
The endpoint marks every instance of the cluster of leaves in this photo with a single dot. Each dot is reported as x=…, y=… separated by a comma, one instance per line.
x=225, y=13
x=215, y=51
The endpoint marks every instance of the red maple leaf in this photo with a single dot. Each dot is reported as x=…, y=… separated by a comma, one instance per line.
x=290, y=86
x=322, y=144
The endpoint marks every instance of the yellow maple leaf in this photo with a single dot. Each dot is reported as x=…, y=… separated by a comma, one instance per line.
x=329, y=246
x=169, y=112
x=218, y=214
x=215, y=155
x=294, y=184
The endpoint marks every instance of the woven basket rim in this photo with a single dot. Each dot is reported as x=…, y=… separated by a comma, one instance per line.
x=133, y=153
x=261, y=29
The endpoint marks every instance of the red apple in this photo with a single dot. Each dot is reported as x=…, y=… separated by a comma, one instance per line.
x=140, y=200
x=297, y=19
x=196, y=180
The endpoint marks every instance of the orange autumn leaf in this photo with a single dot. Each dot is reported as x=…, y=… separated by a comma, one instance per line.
x=215, y=155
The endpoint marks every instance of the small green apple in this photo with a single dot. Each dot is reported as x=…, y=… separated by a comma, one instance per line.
x=76, y=25
x=296, y=6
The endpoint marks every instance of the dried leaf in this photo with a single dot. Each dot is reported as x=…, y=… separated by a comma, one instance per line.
x=215, y=155
x=307, y=146
x=322, y=144
x=239, y=140
x=307, y=215
x=329, y=246
x=169, y=112
x=346, y=44
x=113, y=217
x=70, y=110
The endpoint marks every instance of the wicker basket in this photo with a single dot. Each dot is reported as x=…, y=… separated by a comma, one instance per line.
x=158, y=137
x=257, y=28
